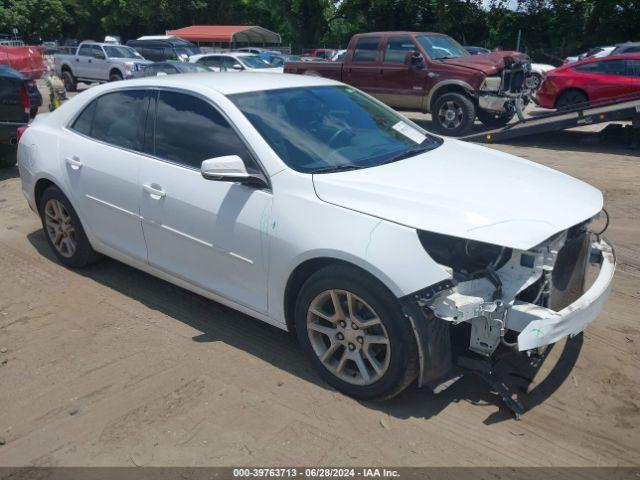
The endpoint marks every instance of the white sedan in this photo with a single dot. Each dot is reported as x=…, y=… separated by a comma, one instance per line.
x=235, y=62
x=309, y=205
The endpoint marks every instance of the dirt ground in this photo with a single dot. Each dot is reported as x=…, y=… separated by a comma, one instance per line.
x=110, y=366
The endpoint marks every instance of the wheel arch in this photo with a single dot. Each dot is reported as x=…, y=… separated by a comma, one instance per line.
x=307, y=268
x=116, y=70
x=40, y=186
x=570, y=89
x=447, y=86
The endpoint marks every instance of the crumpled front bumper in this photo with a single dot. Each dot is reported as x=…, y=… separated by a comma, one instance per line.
x=539, y=326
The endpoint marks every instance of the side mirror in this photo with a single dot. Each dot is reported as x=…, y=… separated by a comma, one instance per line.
x=99, y=56
x=229, y=168
x=237, y=66
x=161, y=74
x=414, y=59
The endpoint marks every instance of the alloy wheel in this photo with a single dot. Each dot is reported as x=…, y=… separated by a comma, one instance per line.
x=60, y=228
x=348, y=337
x=450, y=114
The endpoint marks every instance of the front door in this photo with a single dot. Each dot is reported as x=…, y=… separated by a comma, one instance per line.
x=209, y=233
x=400, y=84
x=98, y=156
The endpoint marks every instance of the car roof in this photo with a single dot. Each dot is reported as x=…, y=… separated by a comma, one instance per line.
x=608, y=58
x=226, y=83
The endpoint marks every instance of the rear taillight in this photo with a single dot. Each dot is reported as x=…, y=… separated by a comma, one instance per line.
x=20, y=132
x=290, y=69
x=26, y=101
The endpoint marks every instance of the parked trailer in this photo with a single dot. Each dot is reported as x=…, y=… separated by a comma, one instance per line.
x=623, y=108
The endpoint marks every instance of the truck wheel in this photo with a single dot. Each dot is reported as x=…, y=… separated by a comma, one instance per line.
x=453, y=113
x=8, y=156
x=352, y=329
x=64, y=231
x=493, y=120
x=70, y=83
x=115, y=77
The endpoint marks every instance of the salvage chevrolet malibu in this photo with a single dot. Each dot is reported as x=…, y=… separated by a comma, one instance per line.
x=310, y=205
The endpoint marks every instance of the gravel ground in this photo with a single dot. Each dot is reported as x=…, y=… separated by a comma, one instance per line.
x=110, y=366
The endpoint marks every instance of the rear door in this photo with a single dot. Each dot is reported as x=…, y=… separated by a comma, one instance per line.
x=400, y=85
x=206, y=232
x=99, y=155
x=361, y=67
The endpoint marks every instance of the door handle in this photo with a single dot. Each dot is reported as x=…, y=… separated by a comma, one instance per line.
x=74, y=162
x=155, y=192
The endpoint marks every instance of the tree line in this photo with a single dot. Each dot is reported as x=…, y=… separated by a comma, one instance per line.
x=549, y=29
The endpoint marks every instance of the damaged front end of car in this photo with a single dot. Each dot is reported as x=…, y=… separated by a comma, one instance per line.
x=507, y=92
x=504, y=298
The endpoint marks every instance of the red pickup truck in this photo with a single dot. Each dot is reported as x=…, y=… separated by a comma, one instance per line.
x=431, y=72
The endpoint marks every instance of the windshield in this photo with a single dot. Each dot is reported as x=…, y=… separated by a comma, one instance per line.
x=441, y=46
x=121, y=52
x=253, y=61
x=328, y=128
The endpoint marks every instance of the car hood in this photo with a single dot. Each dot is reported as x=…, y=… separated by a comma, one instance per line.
x=467, y=191
x=488, y=64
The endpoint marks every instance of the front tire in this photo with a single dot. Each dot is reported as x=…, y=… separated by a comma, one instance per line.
x=453, y=114
x=63, y=230
x=493, y=120
x=352, y=329
x=115, y=77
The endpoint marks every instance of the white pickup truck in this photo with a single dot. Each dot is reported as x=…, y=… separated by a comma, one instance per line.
x=98, y=62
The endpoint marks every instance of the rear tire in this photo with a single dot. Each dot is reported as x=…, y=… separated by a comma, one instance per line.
x=570, y=99
x=453, y=114
x=63, y=230
x=341, y=353
x=70, y=82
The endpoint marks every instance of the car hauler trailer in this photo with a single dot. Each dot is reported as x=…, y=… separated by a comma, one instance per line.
x=623, y=108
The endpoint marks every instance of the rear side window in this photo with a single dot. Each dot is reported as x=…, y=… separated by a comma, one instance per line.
x=189, y=130
x=397, y=49
x=115, y=118
x=366, y=49
x=634, y=68
x=215, y=62
x=84, y=121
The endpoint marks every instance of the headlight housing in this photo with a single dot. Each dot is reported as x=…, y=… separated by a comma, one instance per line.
x=464, y=257
x=491, y=84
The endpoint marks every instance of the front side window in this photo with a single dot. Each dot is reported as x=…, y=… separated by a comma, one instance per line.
x=189, y=130
x=96, y=52
x=441, y=47
x=324, y=128
x=634, y=68
x=115, y=118
x=366, y=49
x=397, y=49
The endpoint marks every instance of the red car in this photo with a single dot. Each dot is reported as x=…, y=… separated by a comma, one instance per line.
x=590, y=80
x=27, y=60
